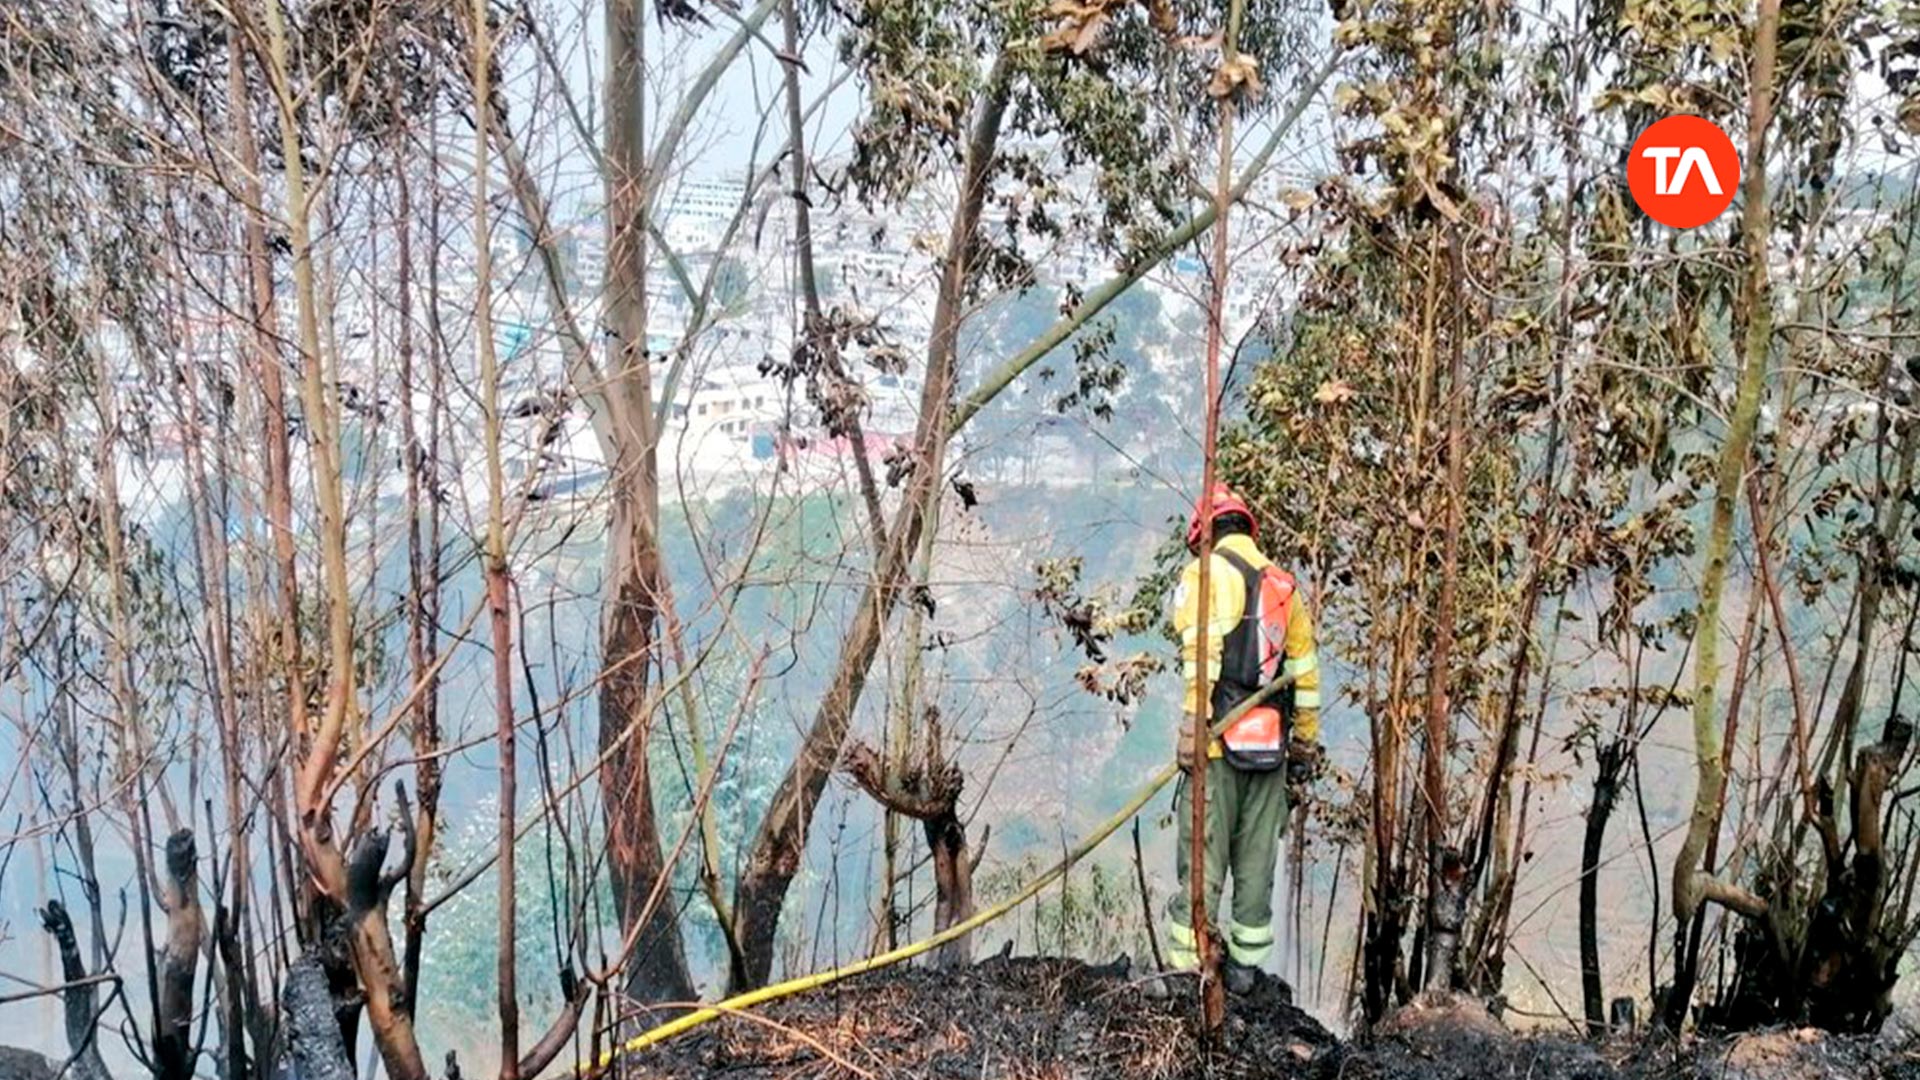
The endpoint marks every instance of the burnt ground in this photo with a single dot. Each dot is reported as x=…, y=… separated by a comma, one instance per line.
x=1017, y=1019
x=1040, y=1019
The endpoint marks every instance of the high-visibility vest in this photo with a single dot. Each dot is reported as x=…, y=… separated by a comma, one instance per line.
x=1250, y=657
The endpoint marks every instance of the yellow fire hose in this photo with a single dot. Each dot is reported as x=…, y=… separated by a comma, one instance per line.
x=681, y=1024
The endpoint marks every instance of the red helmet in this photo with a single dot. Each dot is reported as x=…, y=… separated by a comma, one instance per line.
x=1211, y=506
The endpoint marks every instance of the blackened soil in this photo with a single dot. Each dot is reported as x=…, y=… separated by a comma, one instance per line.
x=1041, y=1019
x=1017, y=1019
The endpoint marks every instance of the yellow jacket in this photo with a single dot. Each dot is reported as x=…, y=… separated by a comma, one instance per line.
x=1224, y=610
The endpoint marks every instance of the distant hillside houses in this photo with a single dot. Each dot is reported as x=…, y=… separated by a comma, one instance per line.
x=724, y=304
x=731, y=266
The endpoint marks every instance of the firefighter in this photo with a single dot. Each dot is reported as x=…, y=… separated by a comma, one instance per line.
x=1258, y=629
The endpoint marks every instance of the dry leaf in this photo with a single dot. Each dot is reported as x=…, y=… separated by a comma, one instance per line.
x=1081, y=24
x=1296, y=200
x=1334, y=392
x=1240, y=75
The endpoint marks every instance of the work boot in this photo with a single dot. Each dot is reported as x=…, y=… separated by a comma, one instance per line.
x=1241, y=979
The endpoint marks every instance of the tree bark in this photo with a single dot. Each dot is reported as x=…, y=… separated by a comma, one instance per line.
x=657, y=971
x=1445, y=887
x=423, y=570
x=370, y=947
x=1757, y=295
x=186, y=932
x=495, y=553
x=953, y=886
x=930, y=794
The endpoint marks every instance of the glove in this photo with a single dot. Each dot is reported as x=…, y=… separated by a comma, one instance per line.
x=1183, y=742
x=1304, y=758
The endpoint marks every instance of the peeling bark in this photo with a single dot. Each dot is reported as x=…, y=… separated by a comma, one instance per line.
x=186, y=933
x=370, y=947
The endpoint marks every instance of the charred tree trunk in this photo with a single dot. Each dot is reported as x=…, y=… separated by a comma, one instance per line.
x=423, y=569
x=1606, y=791
x=1446, y=918
x=370, y=947
x=79, y=1001
x=1385, y=926
x=657, y=970
x=179, y=958
x=953, y=885
x=313, y=1036
x=240, y=1011
x=1840, y=975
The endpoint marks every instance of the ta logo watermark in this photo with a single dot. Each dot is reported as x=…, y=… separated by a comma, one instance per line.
x=1683, y=171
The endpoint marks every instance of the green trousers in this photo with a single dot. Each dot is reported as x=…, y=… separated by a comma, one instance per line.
x=1246, y=818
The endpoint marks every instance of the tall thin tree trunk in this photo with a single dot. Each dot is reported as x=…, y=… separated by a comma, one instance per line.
x=423, y=580
x=210, y=566
x=498, y=603
x=266, y=369
x=360, y=891
x=1757, y=309
x=1445, y=874
x=818, y=336
x=657, y=971
x=1213, y=1002
x=941, y=840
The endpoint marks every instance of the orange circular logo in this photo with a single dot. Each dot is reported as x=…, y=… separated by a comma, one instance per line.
x=1683, y=171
